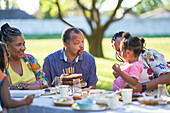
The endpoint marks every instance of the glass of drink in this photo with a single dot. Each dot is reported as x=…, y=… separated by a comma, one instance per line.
x=57, y=84
x=76, y=85
x=162, y=94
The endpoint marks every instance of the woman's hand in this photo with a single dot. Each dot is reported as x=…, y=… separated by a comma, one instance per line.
x=116, y=68
x=23, y=85
x=34, y=86
x=28, y=99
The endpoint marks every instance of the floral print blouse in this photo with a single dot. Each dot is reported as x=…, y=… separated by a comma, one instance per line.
x=154, y=65
x=34, y=66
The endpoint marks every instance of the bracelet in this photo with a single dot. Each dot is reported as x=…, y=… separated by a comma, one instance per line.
x=143, y=87
x=12, y=85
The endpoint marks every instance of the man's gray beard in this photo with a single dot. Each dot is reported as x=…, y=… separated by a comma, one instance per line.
x=79, y=54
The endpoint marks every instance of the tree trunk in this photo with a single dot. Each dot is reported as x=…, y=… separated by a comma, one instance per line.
x=95, y=44
x=7, y=4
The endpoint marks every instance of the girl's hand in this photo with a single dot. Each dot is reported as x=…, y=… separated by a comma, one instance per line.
x=115, y=74
x=116, y=68
x=29, y=99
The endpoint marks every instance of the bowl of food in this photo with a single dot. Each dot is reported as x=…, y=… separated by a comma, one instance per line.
x=86, y=104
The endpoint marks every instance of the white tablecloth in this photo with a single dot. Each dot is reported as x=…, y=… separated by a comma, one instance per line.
x=44, y=104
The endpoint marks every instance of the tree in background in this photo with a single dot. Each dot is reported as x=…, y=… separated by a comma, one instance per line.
x=90, y=9
x=149, y=5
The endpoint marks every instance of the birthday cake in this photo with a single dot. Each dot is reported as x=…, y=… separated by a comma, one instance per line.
x=68, y=79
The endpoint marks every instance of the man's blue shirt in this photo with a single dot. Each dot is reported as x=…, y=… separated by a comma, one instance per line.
x=85, y=64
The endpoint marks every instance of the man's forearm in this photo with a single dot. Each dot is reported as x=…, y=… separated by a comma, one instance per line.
x=164, y=79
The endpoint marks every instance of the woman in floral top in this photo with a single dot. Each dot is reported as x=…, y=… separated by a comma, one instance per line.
x=155, y=70
x=23, y=71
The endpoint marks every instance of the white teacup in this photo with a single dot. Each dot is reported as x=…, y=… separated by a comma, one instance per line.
x=127, y=95
x=63, y=90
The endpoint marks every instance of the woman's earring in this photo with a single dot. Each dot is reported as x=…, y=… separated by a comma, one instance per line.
x=8, y=54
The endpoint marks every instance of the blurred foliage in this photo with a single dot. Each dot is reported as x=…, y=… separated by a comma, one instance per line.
x=168, y=5
x=69, y=7
x=149, y=5
x=49, y=9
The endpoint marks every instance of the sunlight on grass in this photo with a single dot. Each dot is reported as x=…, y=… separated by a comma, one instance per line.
x=40, y=48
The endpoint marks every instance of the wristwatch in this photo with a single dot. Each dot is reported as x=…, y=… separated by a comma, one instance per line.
x=143, y=87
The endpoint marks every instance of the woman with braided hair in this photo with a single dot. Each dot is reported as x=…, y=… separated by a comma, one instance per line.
x=23, y=71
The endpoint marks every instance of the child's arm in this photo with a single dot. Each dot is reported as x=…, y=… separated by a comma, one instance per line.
x=115, y=74
x=6, y=97
x=129, y=79
x=126, y=77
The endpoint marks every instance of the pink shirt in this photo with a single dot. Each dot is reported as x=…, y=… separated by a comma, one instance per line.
x=133, y=69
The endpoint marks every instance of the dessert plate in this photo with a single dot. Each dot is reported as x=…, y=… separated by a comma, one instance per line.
x=150, y=100
x=63, y=101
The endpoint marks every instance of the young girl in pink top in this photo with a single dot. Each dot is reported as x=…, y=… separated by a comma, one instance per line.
x=130, y=70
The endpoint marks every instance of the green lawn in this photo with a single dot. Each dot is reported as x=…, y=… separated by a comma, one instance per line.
x=40, y=48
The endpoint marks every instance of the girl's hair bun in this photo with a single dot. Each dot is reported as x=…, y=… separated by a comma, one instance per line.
x=6, y=25
x=126, y=35
x=142, y=40
x=135, y=39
